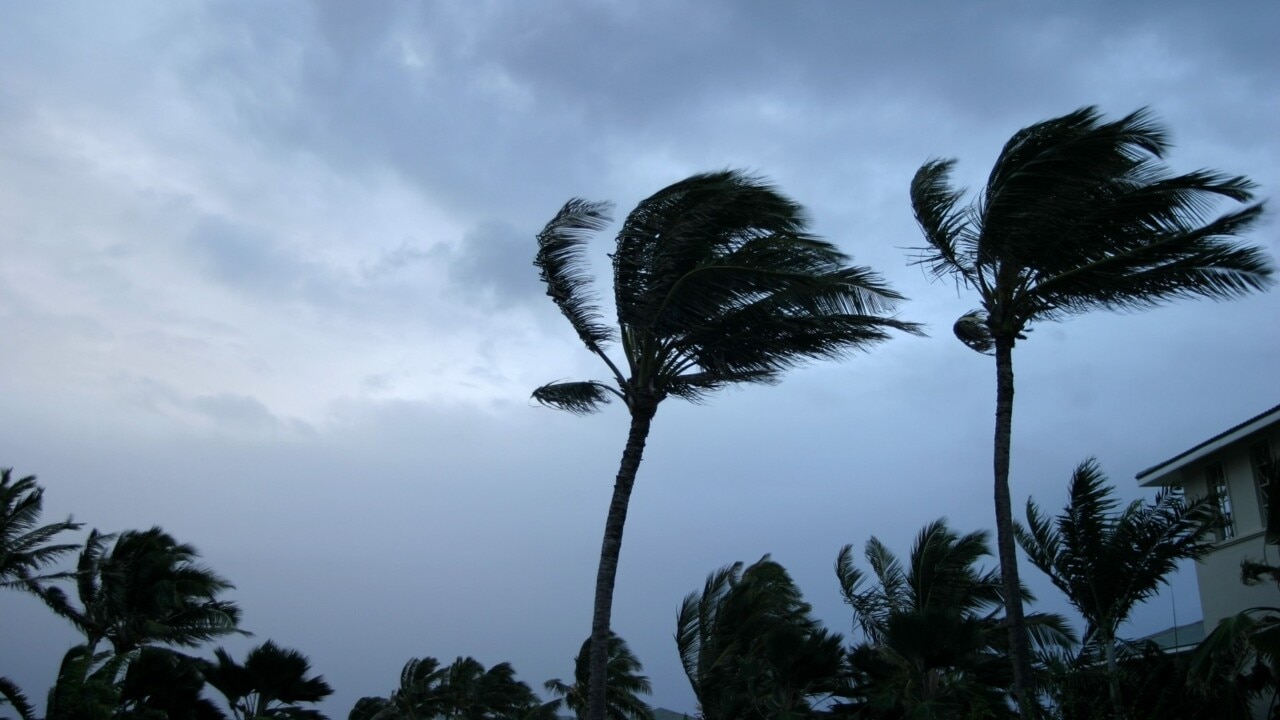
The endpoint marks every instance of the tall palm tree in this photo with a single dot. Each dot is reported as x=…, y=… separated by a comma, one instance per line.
x=1078, y=214
x=625, y=683
x=146, y=590
x=272, y=682
x=25, y=549
x=1107, y=561
x=753, y=650
x=716, y=282
x=933, y=643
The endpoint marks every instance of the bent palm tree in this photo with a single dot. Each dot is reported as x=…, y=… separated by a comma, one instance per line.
x=716, y=282
x=148, y=590
x=752, y=649
x=932, y=644
x=625, y=683
x=24, y=546
x=1106, y=562
x=1078, y=214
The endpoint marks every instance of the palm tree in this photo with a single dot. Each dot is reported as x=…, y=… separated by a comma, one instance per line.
x=161, y=683
x=625, y=683
x=1078, y=214
x=24, y=544
x=1105, y=561
x=88, y=685
x=462, y=690
x=416, y=698
x=716, y=283
x=272, y=682
x=752, y=649
x=148, y=590
x=932, y=644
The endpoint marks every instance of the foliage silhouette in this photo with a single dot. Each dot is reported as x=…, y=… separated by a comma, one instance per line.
x=716, y=282
x=1077, y=214
x=1107, y=561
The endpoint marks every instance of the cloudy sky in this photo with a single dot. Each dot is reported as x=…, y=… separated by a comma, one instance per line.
x=265, y=281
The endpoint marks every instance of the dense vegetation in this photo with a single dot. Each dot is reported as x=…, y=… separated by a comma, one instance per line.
x=717, y=282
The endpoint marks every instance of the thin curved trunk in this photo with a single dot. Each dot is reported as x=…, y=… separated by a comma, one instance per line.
x=641, y=417
x=1019, y=648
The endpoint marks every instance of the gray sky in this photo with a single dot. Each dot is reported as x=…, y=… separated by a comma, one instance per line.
x=265, y=281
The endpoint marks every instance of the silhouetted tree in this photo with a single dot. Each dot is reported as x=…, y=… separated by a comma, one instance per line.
x=1078, y=214
x=716, y=282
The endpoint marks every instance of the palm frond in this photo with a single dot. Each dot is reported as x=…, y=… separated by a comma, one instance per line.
x=1186, y=262
x=946, y=226
x=671, y=232
x=25, y=545
x=578, y=397
x=12, y=694
x=561, y=261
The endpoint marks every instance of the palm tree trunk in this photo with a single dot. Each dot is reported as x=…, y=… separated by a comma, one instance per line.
x=1019, y=648
x=642, y=411
x=1113, y=672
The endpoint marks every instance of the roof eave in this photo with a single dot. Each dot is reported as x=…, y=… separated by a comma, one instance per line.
x=1169, y=472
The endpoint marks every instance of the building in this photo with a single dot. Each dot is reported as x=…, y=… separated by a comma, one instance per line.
x=1232, y=468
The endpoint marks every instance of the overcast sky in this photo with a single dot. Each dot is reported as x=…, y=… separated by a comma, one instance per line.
x=265, y=281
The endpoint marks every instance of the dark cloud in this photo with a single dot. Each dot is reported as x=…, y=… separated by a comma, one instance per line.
x=267, y=282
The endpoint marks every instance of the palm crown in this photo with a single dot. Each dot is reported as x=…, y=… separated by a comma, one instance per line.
x=626, y=684
x=716, y=282
x=148, y=590
x=1107, y=560
x=1080, y=214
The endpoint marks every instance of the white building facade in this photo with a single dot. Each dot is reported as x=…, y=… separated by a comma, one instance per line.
x=1232, y=468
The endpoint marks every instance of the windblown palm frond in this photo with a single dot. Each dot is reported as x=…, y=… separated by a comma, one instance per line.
x=560, y=258
x=25, y=549
x=12, y=695
x=580, y=398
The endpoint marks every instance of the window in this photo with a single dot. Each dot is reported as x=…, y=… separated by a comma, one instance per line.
x=1216, y=480
x=1263, y=472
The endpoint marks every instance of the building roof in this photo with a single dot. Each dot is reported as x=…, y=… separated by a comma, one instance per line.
x=1163, y=473
x=1179, y=637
